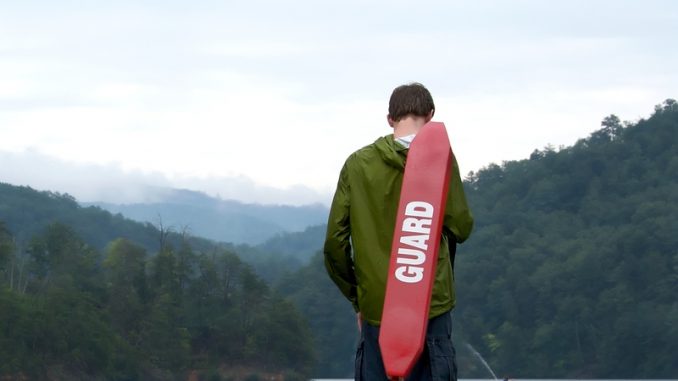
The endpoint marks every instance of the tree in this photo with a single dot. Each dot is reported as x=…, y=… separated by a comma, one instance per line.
x=6, y=255
x=59, y=258
x=128, y=294
x=165, y=335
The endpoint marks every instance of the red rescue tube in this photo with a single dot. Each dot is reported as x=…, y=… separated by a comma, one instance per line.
x=414, y=252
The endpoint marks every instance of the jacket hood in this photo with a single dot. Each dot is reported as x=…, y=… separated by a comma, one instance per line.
x=391, y=152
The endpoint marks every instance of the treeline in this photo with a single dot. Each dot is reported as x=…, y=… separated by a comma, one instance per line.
x=68, y=311
x=27, y=212
x=573, y=268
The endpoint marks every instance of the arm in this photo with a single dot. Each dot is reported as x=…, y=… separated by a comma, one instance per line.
x=458, y=218
x=337, y=249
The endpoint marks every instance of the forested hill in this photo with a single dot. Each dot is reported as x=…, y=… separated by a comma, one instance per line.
x=145, y=305
x=26, y=212
x=572, y=269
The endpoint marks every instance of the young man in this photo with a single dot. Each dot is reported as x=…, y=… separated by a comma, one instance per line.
x=360, y=232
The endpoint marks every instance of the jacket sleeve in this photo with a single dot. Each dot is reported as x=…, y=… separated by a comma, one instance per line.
x=337, y=249
x=458, y=218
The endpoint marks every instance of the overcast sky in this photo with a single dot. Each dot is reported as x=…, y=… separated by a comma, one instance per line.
x=264, y=100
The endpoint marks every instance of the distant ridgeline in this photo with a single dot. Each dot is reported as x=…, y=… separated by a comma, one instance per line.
x=572, y=272
x=222, y=220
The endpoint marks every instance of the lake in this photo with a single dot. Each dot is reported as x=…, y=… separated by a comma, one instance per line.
x=512, y=379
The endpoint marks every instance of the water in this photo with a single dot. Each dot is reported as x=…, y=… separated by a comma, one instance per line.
x=487, y=366
x=513, y=379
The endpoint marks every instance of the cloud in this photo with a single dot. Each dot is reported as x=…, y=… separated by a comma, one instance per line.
x=111, y=183
x=196, y=93
x=488, y=129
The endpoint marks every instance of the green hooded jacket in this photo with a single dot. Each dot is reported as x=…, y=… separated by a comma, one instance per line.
x=363, y=215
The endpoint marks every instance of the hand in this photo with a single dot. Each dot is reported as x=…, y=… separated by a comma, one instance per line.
x=359, y=316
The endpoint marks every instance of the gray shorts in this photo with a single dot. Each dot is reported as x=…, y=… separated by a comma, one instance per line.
x=437, y=361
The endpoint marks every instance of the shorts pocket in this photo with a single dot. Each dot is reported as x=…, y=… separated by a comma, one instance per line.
x=442, y=357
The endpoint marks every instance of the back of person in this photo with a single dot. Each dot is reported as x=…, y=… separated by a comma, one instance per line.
x=360, y=232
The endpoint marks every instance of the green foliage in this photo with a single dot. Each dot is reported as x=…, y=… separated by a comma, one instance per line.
x=284, y=253
x=124, y=315
x=571, y=270
x=331, y=318
x=299, y=245
x=6, y=253
x=27, y=212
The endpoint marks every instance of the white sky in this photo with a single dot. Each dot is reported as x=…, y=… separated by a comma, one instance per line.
x=276, y=94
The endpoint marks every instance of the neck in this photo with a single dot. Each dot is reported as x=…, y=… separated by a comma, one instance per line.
x=408, y=125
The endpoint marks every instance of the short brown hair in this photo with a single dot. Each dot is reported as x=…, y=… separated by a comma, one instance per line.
x=412, y=98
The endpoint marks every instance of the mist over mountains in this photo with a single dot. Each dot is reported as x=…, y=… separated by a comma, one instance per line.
x=220, y=220
x=113, y=184
x=227, y=209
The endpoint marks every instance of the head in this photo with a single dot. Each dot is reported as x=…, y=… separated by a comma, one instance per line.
x=412, y=99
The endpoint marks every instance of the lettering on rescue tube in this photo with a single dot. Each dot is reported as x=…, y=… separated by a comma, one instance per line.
x=412, y=253
x=414, y=250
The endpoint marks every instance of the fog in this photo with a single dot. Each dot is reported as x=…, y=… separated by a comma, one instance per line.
x=111, y=183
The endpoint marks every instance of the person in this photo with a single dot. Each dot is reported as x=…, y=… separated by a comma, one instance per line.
x=360, y=232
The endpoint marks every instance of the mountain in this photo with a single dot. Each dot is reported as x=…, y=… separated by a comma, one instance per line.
x=300, y=245
x=70, y=311
x=26, y=212
x=91, y=295
x=571, y=271
x=221, y=220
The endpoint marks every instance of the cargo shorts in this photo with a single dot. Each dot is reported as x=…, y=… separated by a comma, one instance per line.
x=437, y=361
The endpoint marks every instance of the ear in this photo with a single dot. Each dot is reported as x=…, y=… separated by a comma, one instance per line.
x=430, y=115
x=390, y=121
